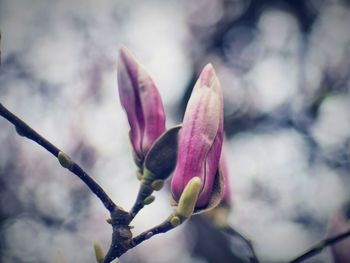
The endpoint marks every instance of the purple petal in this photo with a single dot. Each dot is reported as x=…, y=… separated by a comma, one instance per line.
x=153, y=110
x=142, y=103
x=211, y=168
x=213, y=157
x=129, y=98
x=224, y=169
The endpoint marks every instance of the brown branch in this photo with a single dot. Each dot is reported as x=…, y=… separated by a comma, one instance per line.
x=320, y=246
x=159, y=229
x=144, y=191
x=25, y=130
x=122, y=239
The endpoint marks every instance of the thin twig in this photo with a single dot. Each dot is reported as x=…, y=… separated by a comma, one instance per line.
x=25, y=130
x=144, y=191
x=161, y=228
x=119, y=247
x=320, y=246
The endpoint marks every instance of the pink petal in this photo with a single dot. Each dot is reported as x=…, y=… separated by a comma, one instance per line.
x=142, y=103
x=153, y=110
x=129, y=97
x=225, y=173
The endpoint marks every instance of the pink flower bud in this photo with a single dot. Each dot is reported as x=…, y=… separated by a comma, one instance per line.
x=142, y=103
x=200, y=138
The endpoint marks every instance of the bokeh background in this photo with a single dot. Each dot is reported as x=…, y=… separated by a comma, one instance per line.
x=284, y=68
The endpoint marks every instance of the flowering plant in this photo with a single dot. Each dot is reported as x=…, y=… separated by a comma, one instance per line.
x=190, y=152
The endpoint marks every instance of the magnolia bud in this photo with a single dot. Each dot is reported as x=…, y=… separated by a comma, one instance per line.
x=200, y=138
x=98, y=253
x=142, y=103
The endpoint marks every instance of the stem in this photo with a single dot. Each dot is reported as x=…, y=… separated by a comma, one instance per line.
x=161, y=228
x=320, y=246
x=144, y=191
x=93, y=186
x=25, y=130
x=122, y=239
x=121, y=235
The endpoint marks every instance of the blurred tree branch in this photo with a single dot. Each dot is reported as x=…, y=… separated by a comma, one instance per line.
x=25, y=130
x=121, y=248
x=320, y=246
x=122, y=238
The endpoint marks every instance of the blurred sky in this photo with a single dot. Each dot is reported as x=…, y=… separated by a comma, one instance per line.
x=284, y=68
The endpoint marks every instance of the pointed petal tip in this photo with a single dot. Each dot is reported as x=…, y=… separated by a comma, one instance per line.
x=128, y=64
x=123, y=50
x=208, y=66
x=127, y=57
x=207, y=75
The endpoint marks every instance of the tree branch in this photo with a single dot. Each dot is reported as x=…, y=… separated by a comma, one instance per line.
x=25, y=130
x=320, y=246
x=145, y=190
x=161, y=228
x=122, y=240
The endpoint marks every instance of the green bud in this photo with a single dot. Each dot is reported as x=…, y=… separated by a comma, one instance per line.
x=148, y=200
x=175, y=221
x=64, y=160
x=147, y=177
x=157, y=185
x=139, y=175
x=189, y=198
x=99, y=253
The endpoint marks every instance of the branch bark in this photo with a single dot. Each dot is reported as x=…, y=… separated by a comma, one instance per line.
x=320, y=246
x=25, y=130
